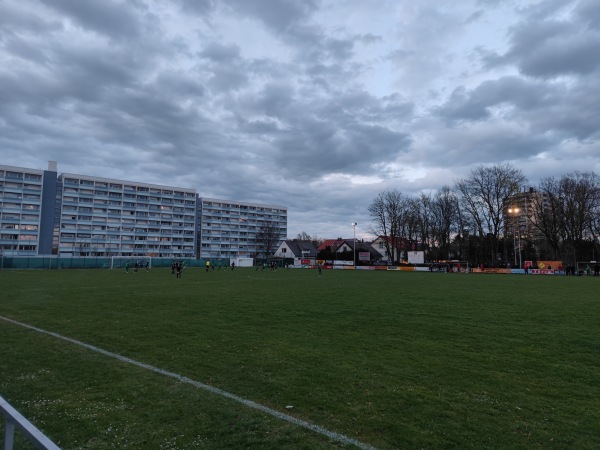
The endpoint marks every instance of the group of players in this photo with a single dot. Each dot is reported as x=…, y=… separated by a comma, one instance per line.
x=137, y=266
x=209, y=265
x=265, y=265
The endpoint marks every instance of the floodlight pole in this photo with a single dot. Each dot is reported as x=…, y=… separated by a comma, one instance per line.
x=520, y=262
x=514, y=213
x=354, y=250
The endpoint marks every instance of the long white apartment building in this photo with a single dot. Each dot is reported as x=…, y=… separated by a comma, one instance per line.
x=108, y=217
x=44, y=213
x=230, y=229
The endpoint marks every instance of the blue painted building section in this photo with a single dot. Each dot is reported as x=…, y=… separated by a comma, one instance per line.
x=48, y=211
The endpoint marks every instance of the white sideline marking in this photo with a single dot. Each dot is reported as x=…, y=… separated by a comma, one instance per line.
x=302, y=423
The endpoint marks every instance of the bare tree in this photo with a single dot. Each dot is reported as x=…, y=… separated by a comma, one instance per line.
x=483, y=194
x=580, y=194
x=548, y=213
x=304, y=236
x=387, y=212
x=268, y=237
x=425, y=220
x=445, y=208
x=411, y=219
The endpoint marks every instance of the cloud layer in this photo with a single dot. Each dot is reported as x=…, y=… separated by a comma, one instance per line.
x=314, y=105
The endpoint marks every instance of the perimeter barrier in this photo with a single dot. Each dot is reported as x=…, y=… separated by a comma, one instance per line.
x=14, y=419
x=95, y=262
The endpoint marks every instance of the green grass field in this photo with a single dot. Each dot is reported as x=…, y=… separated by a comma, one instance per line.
x=389, y=359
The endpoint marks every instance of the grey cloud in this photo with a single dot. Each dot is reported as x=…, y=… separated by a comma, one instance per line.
x=476, y=104
x=279, y=16
x=179, y=85
x=111, y=18
x=23, y=19
x=220, y=53
x=226, y=78
x=559, y=56
x=567, y=111
x=369, y=38
x=549, y=48
x=588, y=13
x=573, y=115
x=199, y=7
x=267, y=126
x=228, y=71
x=317, y=147
x=339, y=49
x=275, y=99
x=475, y=16
x=289, y=20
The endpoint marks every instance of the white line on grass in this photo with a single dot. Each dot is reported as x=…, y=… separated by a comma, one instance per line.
x=302, y=423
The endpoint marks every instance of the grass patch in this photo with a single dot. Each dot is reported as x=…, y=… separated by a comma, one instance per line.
x=395, y=360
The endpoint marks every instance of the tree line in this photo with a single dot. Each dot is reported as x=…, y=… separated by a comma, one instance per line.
x=490, y=215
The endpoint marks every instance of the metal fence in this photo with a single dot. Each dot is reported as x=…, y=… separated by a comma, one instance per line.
x=13, y=419
x=93, y=262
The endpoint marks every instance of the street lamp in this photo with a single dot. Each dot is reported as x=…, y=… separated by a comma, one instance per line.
x=354, y=250
x=515, y=212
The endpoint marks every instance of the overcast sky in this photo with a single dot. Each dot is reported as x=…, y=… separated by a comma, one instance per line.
x=316, y=105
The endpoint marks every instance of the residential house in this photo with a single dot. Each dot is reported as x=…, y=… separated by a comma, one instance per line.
x=298, y=250
x=331, y=248
x=397, y=251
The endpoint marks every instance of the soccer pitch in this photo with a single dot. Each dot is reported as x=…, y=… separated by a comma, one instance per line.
x=102, y=359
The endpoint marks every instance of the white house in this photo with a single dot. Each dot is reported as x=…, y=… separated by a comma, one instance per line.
x=298, y=250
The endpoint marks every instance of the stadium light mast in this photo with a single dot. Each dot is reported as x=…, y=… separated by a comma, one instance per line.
x=354, y=250
x=514, y=212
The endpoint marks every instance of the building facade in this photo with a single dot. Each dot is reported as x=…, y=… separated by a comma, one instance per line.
x=27, y=200
x=108, y=217
x=519, y=214
x=43, y=213
x=229, y=229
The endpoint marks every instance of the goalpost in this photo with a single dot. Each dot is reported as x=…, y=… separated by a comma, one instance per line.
x=119, y=262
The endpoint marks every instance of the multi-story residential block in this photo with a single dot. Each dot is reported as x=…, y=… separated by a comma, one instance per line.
x=107, y=217
x=44, y=213
x=520, y=214
x=27, y=198
x=230, y=229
